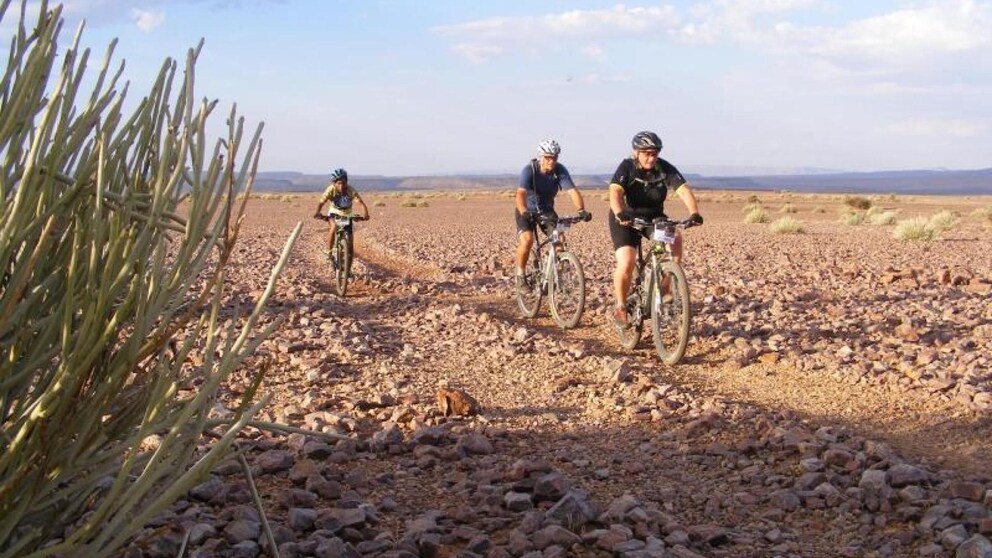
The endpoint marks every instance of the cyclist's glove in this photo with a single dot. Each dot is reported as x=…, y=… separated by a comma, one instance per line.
x=585, y=215
x=696, y=219
x=626, y=214
x=529, y=216
x=549, y=218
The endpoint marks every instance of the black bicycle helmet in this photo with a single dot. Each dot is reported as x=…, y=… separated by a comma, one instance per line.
x=339, y=174
x=646, y=140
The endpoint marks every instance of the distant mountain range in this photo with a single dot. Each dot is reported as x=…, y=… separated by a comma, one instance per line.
x=933, y=182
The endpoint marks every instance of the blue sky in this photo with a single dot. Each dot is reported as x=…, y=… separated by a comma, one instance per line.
x=401, y=87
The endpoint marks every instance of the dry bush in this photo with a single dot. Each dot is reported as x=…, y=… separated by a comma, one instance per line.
x=852, y=218
x=422, y=203
x=983, y=213
x=819, y=209
x=378, y=203
x=881, y=218
x=751, y=207
x=787, y=225
x=917, y=228
x=857, y=202
x=408, y=203
x=753, y=198
x=942, y=221
x=757, y=215
x=788, y=208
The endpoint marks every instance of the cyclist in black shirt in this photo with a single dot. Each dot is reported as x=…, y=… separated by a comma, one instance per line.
x=638, y=189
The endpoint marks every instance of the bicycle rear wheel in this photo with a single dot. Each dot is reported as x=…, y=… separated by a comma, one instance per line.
x=567, y=292
x=529, y=293
x=342, y=248
x=630, y=334
x=670, y=313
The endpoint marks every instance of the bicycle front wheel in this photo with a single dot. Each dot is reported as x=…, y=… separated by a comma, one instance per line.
x=670, y=314
x=529, y=292
x=343, y=271
x=629, y=335
x=567, y=295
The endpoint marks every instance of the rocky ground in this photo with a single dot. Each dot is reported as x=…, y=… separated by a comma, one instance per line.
x=835, y=399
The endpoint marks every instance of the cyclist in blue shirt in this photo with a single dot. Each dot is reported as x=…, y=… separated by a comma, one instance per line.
x=540, y=182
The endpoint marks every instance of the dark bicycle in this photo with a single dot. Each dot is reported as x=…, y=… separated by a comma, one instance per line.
x=553, y=270
x=341, y=252
x=659, y=290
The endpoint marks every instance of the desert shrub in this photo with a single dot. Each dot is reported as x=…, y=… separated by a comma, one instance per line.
x=460, y=197
x=852, y=218
x=787, y=208
x=408, y=203
x=983, y=213
x=113, y=274
x=819, y=209
x=422, y=203
x=753, y=198
x=942, y=221
x=757, y=215
x=881, y=218
x=787, y=225
x=916, y=228
x=378, y=203
x=751, y=207
x=857, y=202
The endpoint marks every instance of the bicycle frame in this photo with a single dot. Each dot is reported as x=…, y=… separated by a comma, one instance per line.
x=556, y=240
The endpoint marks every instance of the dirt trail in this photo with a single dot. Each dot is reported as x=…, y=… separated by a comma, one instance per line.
x=914, y=423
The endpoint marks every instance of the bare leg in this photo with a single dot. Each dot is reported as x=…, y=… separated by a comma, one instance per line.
x=622, y=275
x=525, y=240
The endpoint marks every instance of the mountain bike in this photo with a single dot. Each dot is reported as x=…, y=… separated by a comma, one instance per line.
x=553, y=270
x=658, y=290
x=342, y=250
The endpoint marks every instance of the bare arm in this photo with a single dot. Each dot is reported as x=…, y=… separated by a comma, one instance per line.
x=616, y=198
x=521, y=200
x=577, y=200
x=688, y=198
x=365, y=208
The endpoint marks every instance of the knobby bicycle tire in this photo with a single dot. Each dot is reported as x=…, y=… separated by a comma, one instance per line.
x=670, y=319
x=567, y=290
x=529, y=296
x=343, y=271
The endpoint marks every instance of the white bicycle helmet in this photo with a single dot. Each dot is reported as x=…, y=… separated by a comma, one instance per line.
x=549, y=147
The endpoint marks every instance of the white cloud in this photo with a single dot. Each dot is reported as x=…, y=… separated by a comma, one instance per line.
x=908, y=35
x=477, y=52
x=146, y=20
x=502, y=34
x=957, y=128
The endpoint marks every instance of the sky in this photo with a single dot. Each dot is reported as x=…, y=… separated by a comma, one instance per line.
x=392, y=87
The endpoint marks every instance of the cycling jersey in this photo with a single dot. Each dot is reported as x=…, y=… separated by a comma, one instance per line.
x=644, y=191
x=340, y=200
x=542, y=188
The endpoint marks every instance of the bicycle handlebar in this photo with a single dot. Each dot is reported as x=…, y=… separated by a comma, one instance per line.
x=331, y=217
x=642, y=223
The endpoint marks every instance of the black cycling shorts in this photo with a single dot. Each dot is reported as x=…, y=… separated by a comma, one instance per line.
x=625, y=236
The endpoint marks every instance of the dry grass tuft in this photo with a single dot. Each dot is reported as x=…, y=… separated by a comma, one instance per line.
x=943, y=221
x=852, y=218
x=881, y=218
x=788, y=208
x=757, y=215
x=917, y=228
x=787, y=225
